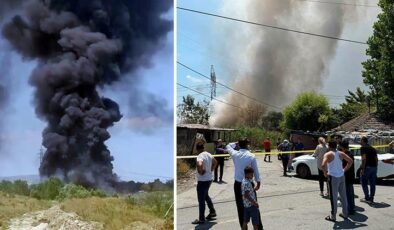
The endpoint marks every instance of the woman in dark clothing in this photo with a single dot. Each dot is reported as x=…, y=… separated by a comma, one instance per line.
x=349, y=177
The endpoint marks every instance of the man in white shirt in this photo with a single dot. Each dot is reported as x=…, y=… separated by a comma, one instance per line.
x=242, y=158
x=334, y=171
x=206, y=163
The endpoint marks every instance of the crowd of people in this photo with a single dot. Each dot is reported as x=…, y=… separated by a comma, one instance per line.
x=335, y=167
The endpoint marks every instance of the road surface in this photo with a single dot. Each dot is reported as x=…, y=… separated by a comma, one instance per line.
x=286, y=203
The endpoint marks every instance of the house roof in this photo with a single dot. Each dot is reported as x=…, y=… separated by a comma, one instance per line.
x=365, y=122
x=200, y=126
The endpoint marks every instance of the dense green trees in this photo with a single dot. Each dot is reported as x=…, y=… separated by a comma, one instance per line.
x=378, y=70
x=190, y=112
x=309, y=112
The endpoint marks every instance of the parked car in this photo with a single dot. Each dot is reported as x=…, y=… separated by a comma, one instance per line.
x=306, y=165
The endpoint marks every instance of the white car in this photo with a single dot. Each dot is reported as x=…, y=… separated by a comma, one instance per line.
x=306, y=165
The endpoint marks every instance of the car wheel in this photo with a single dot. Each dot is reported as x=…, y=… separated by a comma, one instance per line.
x=303, y=171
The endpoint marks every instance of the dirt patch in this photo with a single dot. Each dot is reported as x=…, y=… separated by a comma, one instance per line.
x=139, y=225
x=51, y=219
x=187, y=181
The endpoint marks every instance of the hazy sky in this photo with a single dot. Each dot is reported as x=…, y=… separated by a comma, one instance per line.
x=142, y=149
x=199, y=37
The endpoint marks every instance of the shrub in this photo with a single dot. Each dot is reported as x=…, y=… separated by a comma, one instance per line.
x=100, y=193
x=6, y=186
x=77, y=191
x=158, y=202
x=182, y=168
x=256, y=136
x=18, y=187
x=21, y=188
x=73, y=191
x=47, y=190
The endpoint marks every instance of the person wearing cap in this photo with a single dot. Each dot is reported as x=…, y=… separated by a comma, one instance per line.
x=284, y=147
x=206, y=163
x=243, y=158
x=219, y=149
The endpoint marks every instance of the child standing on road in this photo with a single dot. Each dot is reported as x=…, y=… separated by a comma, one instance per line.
x=249, y=200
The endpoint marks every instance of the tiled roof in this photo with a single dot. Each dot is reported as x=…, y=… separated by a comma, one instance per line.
x=199, y=126
x=364, y=122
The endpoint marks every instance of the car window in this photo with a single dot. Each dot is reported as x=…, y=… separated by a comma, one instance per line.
x=356, y=152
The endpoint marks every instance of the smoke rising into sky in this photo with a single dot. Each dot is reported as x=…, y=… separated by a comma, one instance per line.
x=279, y=64
x=81, y=46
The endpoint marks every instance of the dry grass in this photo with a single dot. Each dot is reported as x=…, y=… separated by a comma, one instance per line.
x=182, y=168
x=14, y=205
x=114, y=213
x=140, y=211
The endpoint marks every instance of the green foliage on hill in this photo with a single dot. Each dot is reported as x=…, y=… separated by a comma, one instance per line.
x=47, y=190
x=17, y=187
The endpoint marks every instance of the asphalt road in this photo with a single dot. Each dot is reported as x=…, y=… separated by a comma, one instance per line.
x=286, y=203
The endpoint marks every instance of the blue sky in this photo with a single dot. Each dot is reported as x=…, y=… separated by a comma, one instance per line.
x=199, y=36
x=142, y=151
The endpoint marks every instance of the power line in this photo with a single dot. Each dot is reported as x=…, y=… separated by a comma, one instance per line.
x=147, y=175
x=271, y=26
x=206, y=95
x=254, y=99
x=339, y=3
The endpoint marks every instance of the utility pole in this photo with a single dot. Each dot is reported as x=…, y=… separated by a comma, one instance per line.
x=213, y=83
x=41, y=153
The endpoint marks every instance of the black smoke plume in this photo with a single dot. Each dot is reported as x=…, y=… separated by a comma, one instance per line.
x=80, y=46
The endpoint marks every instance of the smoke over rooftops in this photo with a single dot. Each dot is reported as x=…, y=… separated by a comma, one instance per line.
x=280, y=64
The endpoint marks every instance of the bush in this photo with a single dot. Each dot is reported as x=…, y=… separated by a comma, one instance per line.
x=70, y=191
x=47, y=190
x=73, y=191
x=100, y=193
x=256, y=136
x=185, y=150
x=309, y=111
x=158, y=202
x=21, y=188
x=18, y=187
x=6, y=186
x=182, y=168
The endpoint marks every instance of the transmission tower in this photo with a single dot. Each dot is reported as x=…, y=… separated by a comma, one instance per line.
x=213, y=83
x=41, y=153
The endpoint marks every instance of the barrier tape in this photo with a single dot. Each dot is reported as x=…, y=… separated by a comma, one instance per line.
x=275, y=152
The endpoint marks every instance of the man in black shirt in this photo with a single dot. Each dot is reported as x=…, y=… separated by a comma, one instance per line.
x=369, y=169
x=219, y=149
x=349, y=177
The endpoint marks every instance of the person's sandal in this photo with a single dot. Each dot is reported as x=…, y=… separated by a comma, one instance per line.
x=330, y=219
x=197, y=221
x=343, y=216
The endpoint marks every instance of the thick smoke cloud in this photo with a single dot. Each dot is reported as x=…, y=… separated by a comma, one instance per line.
x=80, y=46
x=6, y=8
x=148, y=112
x=5, y=63
x=279, y=64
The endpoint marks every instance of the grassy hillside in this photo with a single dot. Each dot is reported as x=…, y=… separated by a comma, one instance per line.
x=150, y=209
x=15, y=205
